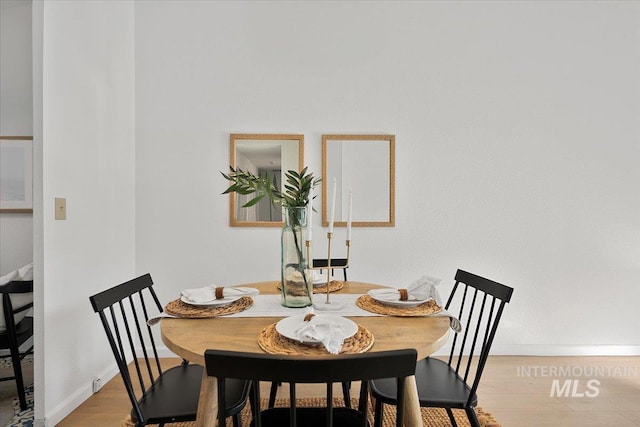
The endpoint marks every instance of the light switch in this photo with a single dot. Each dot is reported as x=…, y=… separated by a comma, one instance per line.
x=61, y=208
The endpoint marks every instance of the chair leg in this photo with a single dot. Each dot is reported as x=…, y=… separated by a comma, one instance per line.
x=17, y=372
x=377, y=416
x=254, y=400
x=236, y=420
x=272, y=394
x=451, y=418
x=473, y=418
x=347, y=396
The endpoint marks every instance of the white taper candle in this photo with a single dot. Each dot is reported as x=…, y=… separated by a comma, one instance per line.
x=349, y=217
x=310, y=217
x=332, y=206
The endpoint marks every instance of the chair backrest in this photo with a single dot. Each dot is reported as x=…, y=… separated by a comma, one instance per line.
x=480, y=308
x=124, y=314
x=13, y=314
x=335, y=262
x=291, y=369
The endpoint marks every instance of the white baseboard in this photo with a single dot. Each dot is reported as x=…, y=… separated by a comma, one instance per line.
x=69, y=404
x=565, y=350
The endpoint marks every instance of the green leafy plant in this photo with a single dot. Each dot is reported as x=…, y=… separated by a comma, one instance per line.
x=297, y=187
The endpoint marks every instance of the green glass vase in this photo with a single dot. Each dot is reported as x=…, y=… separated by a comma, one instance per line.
x=297, y=286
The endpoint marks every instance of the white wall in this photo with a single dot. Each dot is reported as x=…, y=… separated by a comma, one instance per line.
x=16, y=119
x=88, y=158
x=516, y=152
x=517, y=143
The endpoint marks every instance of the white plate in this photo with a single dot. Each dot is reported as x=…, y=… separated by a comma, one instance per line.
x=288, y=326
x=212, y=303
x=248, y=292
x=396, y=303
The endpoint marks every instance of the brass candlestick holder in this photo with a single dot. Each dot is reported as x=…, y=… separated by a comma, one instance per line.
x=328, y=305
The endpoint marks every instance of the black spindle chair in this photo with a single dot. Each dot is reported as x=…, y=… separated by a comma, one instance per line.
x=452, y=384
x=165, y=396
x=396, y=364
x=16, y=333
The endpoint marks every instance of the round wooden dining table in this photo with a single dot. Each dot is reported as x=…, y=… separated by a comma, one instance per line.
x=189, y=338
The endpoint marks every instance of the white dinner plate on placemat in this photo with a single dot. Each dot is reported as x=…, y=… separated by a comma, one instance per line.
x=212, y=303
x=396, y=302
x=289, y=326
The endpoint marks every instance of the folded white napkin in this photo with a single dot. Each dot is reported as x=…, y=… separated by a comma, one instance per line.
x=454, y=323
x=422, y=289
x=323, y=329
x=419, y=290
x=208, y=293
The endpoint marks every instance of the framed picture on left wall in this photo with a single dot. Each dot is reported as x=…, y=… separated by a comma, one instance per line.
x=16, y=178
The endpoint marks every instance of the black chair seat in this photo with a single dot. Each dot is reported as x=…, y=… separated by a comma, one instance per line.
x=310, y=417
x=438, y=386
x=162, y=403
x=173, y=397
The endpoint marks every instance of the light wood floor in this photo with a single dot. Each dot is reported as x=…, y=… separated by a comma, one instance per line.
x=515, y=389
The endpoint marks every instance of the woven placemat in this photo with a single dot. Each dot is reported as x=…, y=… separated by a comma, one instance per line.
x=365, y=302
x=334, y=285
x=182, y=309
x=272, y=342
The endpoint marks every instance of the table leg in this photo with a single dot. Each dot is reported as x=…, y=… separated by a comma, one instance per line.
x=207, y=402
x=412, y=414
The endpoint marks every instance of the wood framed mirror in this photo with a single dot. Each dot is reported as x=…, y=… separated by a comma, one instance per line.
x=262, y=154
x=364, y=164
